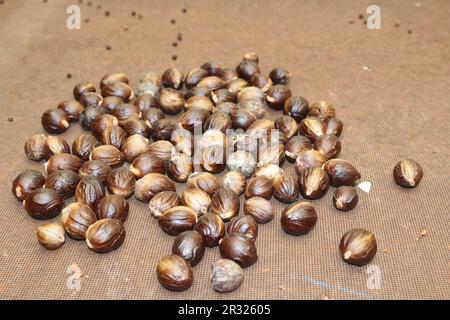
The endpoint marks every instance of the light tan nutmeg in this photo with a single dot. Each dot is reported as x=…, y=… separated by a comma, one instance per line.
x=51, y=236
x=196, y=199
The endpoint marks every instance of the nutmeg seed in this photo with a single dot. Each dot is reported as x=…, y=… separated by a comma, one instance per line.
x=95, y=168
x=147, y=163
x=43, y=204
x=341, y=172
x=55, y=145
x=121, y=181
x=26, y=182
x=55, y=121
x=311, y=127
x=308, y=159
x=297, y=107
x=177, y=219
x=162, y=202
x=212, y=229
x=83, y=146
x=240, y=249
x=105, y=235
x=298, y=218
x=358, y=247
x=113, y=206
x=235, y=181
x=174, y=273
x=408, y=173
x=259, y=208
x=76, y=218
x=34, y=147
x=245, y=225
x=196, y=199
x=64, y=182
x=285, y=189
x=345, y=198
x=204, y=181
x=190, y=246
x=242, y=162
x=295, y=146
x=225, y=203
x=151, y=184
x=259, y=186
x=227, y=275
x=313, y=183
x=109, y=154
x=51, y=236
x=90, y=191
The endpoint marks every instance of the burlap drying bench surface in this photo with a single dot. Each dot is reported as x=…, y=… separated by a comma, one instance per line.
x=390, y=87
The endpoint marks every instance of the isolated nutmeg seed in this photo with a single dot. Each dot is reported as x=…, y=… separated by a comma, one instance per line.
x=109, y=154
x=190, y=246
x=309, y=159
x=162, y=202
x=227, y=275
x=63, y=161
x=64, y=182
x=89, y=191
x=43, y=204
x=235, y=181
x=358, y=247
x=26, y=182
x=95, y=168
x=240, y=249
x=297, y=107
x=76, y=218
x=313, y=183
x=113, y=206
x=212, y=229
x=345, y=198
x=341, y=172
x=51, y=236
x=196, y=199
x=298, y=218
x=151, y=184
x=259, y=186
x=311, y=127
x=105, y=235
x=34, y=147
x=171, y=101
x=225, y=203
x=177, y=219
x=242, y=162
x=204, y=181
x=174, y=273
x=55, y=121
x=72, y=108
x=259, y=208
x=55, y=145
x=121, y=181
x=245, y=225
x=285, y=189
x=408, y=173
x=295, y=146
x=83, y=146
x=147, y=163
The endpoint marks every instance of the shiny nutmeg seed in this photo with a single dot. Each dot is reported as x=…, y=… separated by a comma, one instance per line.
x=63, y=161
x=43, y=204
x=162, y=149
x=345, y=198
x=297, y=107
x=277, y=96
x=51, y=236
x=90, y=191
x=163, y=129
x=177, y=219
x=328, y=145
x=88, y=116
x=295, y=146
x=55, y=121
x=162, y=202
x=113, y=77
x=147, y=163
x=118, y=89
x=64, y=182
x=333, y=126
x=298, y=218
x=105, y=235
x=151, y=184
x=180, y=167
x=171, y=101
x=408, y=173
x=134, y=146
x=204, y=181
x=82, y=88
x=358, y=247
x=280, y=76
x=115, y=136
x=287, y=125
x=196, y=199
x=72, y=109
x=83, y=146
x=174, y=273
x=227, y=275
x=76, y=218
x=260, y=209
x=259, y=186
x=341, y=172
x=225, y=203
x=285, y=189
x=121, y=181
x=109, y=154
x=113, y=206
x=247, y=69
x=199, y=103
x=26, y=182
x=322, y=109
x=34, y=147
x=95, y=168
x=194, y=77
x=270, y=171
x=311, y=127
x=245, y=225
x=213, y=158
x=212, y=229
x=190, y=246
x=240, y=249
x=172, y=78
x=308, y=159
x=235, y=181
x=313, y=183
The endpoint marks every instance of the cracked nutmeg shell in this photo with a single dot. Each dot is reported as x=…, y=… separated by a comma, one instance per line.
x=322, y=110
x=285, y=189
x=345, y=198
x=64, y=182
x=240, y=249
x=225, y=203
x=26, y=182
x=308, y=159
x=341, y=172
x=408, y=173
x=358, y=247
x=72, y=108
x=109, y=154
x=121, y=181
x=43, y=204
x=226, y=276
x=55, y=121
x=118, y=89
x=172, y=78
x=313, y=183
x=147, y=163
x=245, y=225
x=328, y=145
x=90, y=191
x=235, y=181
x=171, y=101
x=295, y=146
x=113, y=206
x=51, y=235
x=277, y=96
x=190, y=246
x=212, y=229
x=95, y=168
x=83, y=145
x=63, y=161
x=298, y=218
x=82, y=88
x=311, y=127
x=177, y=219
x=196, y=199
x=55, y=145
x=174, y=273
x=297, y=107
x=162, y=202
x=204, y=181
x=151, y=184
x=259, y=208
x=259, y=186
x=180, y=167
x=76, y=218
x=34, y=147
x=105, y=235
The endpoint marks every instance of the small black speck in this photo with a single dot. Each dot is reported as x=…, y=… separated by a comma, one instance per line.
x=10, y=119
x=397, y=25
x=45, y=1
x=174, y=44
x=69, y=76
x=180, y=37
x=409, y=31
x=2, y=2
x=174, y=57
x=173, y=21
x=184, y=10
x=108, y=48
x=360, y=16
x=351, y=22
x=99, y=6
x=80, y=1
x=87, y=20
x=133, y=13
x=140, y=17
x=89, y=3
x=365, y=21
x=107, y=13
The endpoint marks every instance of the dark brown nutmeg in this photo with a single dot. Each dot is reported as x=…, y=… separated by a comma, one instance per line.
x=297, y=107
x=180, y=167
x=287, y=125
x=64, y=182
x=162, y=202
x=105, y=235
x=240, y=249
x=134, y=146
x=204, y=181
x=341, y=172
x=174, y=273
x=247, y=69
x=212, y=82
x=309, y=159
x=358, y=247
x=121, y=181
x=190, y=246
x=222, y=95
x=152, y=115
x=151, y=184
x=408, y=173
x=225, y=203
x=322, y=109
x=333, y=126
x=260, y=209
x=298, y=218
x=243, y=162
x=218, y=121
x=236, y=85
x=313, y=183
x=250, y=94
x=114, y=136
x=109, y=155
x=277, y=95
x=228, y=75
x=88, y=116
x=261, y=81
x=227, y=275
x=280, y=76
x=118, y=89
x=295, y=146
x=111, y=103
x=63, y=161
x=136, y=126
x=76, y=219
x=43, y=204
x=235, y=181
x=270, y=171
x=146, y=102
x=83, y=145
x=172, y=78
x=193, y=118
x=212, y=68
x=34, y=147
x=251, y=56
x=213, y=159
x=55, y=145
x=194, y=77
x=95, y=168
x=112, y=78
x=259, y=186
x=163, y=129
x=126, y=111
x=72, y=109
x=147, y=163
x=89, y=191
x=177, y=219
x=245, y=225
x=198, y=91
x=199, y=103
x=212, y=229
x=162, y=149
x=113, y=206
x=225, y=107
x=55, y=121
x=26, y=182
x=285, y=189
x=82, y=88
x=328, y=145
x=91, y=99
x=345, y=198
x=102, y=122
x=196, y=199
x=311, y=127
x=171, y=101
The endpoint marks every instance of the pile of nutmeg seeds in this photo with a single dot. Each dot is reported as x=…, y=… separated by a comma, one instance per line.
x=135, y=144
